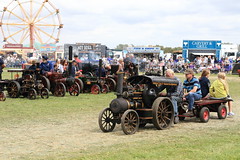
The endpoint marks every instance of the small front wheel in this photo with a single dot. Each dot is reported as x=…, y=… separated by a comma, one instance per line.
x=204, y=114
x=32, y=94
x=2, y=96
x=222, y=112
x=105, y=120
x=95, y=89
x=130, y=121
x=45, y=93
x=105, y=89
x=74, y=89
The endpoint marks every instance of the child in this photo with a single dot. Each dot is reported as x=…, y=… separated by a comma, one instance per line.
x=220, y=89
x=205, y=83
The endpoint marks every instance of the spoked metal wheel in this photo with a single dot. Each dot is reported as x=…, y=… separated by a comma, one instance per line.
x=74, y=89
x=80, y=83
x=2, y=96
x=32, y=94
x=130, y=121
x=105, y=88
x=105, y=120
x=60, y=90
x=13, y=89
x=95, y=89
x=111, y=84
x=204, y=114
x=46, y=82
x=45, y=93
x=163, y=113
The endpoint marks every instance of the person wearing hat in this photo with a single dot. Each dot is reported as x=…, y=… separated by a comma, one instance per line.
x=45, y=65
x=192, y=90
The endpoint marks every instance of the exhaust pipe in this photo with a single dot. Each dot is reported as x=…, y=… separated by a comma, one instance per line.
x=70, y=60
x=120, y=84
x=100, y=69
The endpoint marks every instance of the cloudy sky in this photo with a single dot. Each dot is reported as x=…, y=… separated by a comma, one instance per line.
x=138, y=22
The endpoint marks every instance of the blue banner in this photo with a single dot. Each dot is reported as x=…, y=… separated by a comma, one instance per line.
x=201, y=44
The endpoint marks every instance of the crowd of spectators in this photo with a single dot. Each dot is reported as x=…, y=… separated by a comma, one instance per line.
x=147, y=63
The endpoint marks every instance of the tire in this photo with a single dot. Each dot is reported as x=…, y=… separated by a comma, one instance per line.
x=204, y=115
x=105, y=89
x=32, y=94
x=111, y=84
x=44, y=93
x=222, y=112
x=74, y=89
x=46, y=82
x=130, y=122
x=60, y=90
x=80, y=83
x=2, y=96
x=105, y=120
x=95, y=89
x=13, y=89
x=163, y=113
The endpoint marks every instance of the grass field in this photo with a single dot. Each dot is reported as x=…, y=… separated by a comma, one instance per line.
x=67, y=128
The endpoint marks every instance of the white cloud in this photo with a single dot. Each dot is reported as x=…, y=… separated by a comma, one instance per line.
x=141, y=22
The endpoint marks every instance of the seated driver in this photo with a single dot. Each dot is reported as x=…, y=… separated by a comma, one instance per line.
x=174, y=92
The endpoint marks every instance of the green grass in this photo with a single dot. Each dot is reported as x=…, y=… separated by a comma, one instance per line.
x=205, y=141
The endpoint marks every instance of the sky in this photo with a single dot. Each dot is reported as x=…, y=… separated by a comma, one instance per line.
x=152, y=22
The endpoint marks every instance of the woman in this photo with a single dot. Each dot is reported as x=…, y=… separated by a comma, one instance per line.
x=220, y=89
x=205, y=83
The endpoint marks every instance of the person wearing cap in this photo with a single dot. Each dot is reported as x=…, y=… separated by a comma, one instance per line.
x=45, y=65
x=192, y=90
x=174, y=92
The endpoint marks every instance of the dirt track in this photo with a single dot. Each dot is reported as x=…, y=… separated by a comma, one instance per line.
x=80, y=133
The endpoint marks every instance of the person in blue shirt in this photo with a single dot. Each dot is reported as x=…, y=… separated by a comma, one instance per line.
x=192, y=90
x=45, y=65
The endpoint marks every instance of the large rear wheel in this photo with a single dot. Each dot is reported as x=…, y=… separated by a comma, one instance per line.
x=163, y=113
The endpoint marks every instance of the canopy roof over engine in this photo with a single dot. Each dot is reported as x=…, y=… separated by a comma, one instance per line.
x=157, y=80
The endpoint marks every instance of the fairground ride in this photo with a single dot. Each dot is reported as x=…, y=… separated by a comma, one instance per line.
x=30, y=21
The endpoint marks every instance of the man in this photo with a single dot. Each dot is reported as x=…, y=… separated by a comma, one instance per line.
x=174, y=92
x=78, y=61
x=45, y=65
x=2, y=65
x=192, y=90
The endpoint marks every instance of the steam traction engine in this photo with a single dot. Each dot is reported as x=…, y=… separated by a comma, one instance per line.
x=138, y=104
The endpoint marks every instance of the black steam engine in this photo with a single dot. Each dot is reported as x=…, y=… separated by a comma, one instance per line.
x=137, y=104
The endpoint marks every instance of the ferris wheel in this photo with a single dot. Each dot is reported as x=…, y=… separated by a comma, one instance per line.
x=30, y=21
